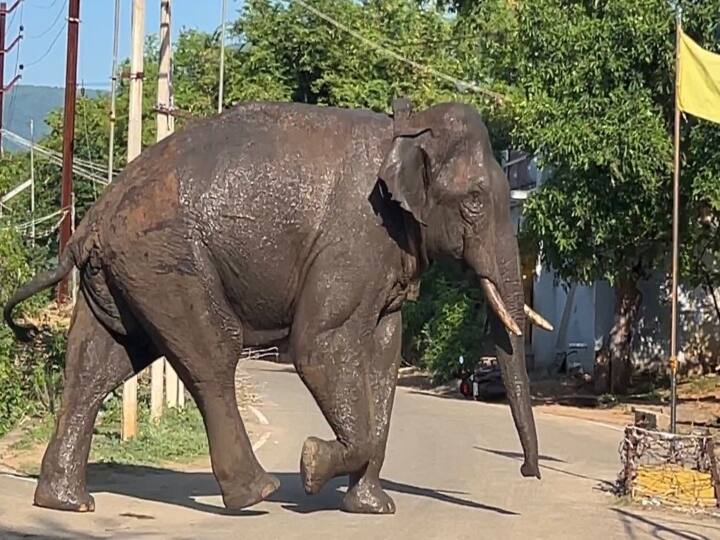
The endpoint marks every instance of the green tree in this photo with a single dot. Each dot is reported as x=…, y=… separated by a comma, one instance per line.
x=282, y=51
x=591, y=93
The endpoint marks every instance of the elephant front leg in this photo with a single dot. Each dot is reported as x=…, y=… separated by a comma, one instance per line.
x=339, y=387
x=337, y=363
x=365, y=493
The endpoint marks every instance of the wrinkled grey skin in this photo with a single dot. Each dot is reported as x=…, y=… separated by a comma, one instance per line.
x=282, y=224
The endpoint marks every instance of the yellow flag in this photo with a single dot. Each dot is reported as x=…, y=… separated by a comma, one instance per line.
x=698, y=84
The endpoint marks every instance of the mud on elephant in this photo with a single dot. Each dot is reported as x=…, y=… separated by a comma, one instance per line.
x=292, y=224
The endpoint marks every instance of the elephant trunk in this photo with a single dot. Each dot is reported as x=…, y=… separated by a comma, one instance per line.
x=507, y=304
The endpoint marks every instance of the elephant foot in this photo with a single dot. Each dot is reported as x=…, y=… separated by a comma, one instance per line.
x=240, y=497
x=368, y=497
x=316, y=464
x=48, y=495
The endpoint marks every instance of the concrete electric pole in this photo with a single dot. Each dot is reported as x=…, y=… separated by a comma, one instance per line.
x=174, y=390
x=66, y=198
x=129, y=422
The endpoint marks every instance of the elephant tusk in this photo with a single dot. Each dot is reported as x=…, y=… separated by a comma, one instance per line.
x=498, y=306
x=537, y=319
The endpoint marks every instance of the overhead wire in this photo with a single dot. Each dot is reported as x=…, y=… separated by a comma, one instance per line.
x=49, y=49
x=44, y=7
x=459, y=83
x=12, y=17
x=82, y=168
x=30, y=225
x=52, y=24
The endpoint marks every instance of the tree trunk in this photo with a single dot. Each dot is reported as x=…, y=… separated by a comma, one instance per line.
x=613, y=366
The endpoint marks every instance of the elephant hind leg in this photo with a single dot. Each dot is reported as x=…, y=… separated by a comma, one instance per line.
x=96, y=363
x=196, y=330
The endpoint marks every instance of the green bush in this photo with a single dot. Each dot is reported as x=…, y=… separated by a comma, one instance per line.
x=448, y=320
x=30, y=375
x=178, y=436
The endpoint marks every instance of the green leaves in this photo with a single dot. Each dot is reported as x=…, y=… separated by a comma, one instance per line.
x=593, y=97
x=447, y=321
x=289, y=52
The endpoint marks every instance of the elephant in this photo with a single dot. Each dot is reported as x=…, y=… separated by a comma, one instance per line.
x=293, y=224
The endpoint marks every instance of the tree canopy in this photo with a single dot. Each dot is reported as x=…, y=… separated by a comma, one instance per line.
x=591, y=88
x=587, y=86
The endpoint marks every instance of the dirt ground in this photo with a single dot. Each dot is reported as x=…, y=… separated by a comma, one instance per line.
x=698, y=400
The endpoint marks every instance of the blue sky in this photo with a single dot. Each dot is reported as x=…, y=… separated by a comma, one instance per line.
x=96, y=35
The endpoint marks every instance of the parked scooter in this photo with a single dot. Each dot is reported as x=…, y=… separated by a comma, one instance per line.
x=484, y=383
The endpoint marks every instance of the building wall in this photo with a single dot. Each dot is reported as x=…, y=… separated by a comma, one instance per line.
x=593, y=309
x=698, y=327
x=592, y=316
x=549, y=299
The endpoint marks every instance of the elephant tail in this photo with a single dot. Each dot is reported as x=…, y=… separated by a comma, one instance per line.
x=41, y=281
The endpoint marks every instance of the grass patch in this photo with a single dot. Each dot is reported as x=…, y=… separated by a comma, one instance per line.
x=39, y=433
x=178, y=437
x=700, y=385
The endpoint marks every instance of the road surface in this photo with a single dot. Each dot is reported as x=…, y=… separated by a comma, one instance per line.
x=452, y=468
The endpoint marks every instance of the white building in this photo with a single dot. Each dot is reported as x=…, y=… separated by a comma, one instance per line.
x=583, y=315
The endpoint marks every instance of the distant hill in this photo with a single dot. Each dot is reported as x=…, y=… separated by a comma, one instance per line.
x=25, y=103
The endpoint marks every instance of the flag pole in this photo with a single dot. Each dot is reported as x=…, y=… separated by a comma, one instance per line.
x=676, y=233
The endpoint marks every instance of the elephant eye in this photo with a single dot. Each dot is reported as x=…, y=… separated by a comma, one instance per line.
x=473, y=206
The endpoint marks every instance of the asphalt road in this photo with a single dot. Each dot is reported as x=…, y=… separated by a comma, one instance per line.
x=452, y=468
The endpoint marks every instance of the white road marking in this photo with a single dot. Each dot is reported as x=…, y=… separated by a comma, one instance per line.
x=260, y=416
x=259, y=444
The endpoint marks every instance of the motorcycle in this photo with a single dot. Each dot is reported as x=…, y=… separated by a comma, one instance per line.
x=484, y=383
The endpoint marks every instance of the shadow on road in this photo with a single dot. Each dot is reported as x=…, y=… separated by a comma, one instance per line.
x=630, y=521
x=38, y=531
x=27, y=534
x=183, y=489
x=517, y=456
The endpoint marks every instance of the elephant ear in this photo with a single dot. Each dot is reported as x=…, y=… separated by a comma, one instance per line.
x=406, y=167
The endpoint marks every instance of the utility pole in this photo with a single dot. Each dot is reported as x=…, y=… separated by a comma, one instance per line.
x=221, y=91
x=165, y=126
x=69, y=132
x=32, y=181
x=4, y=12
x=113, y=91
x=129, y=423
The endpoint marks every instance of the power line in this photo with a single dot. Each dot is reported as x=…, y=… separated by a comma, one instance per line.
x=83, y=168
x=459, y=83
x=52, y=25
x=45, y=7
x=94, y=85
x=50, y=48
x=12, y=17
